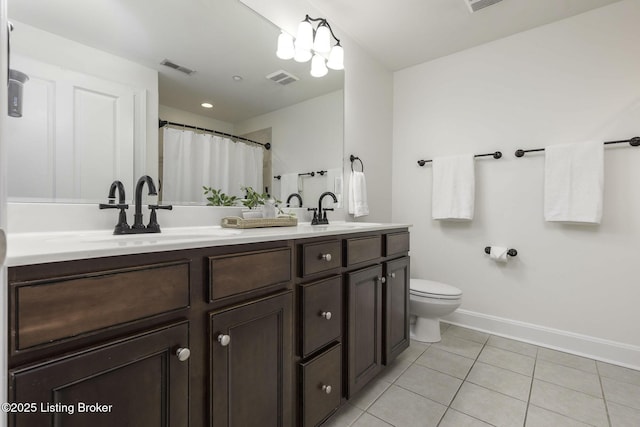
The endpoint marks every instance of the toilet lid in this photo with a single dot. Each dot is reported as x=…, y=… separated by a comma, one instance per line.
x=430, y=287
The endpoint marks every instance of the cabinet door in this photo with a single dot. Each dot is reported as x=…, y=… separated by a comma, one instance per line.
x=251, y=354
x=364, y=334
x=139, y=381
x=396, y=308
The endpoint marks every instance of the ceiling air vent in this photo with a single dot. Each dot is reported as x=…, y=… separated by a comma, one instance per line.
x=282, y=77
x=476, y=5
x=170, y=64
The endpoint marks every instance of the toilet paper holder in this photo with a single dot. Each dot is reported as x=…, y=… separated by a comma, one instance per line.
x=510, y=252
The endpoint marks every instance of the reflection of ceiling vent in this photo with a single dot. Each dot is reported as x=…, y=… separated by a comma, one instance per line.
x=175, y=66
x=476, y=5
x=282, y=77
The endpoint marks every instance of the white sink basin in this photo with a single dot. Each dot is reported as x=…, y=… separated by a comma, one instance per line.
x=190, y=233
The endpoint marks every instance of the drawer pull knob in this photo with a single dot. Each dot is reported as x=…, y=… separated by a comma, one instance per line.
x=224, y=340
x=326, y=389
x=326, y=257
x=381, y=279
x=183, y=354
x=392, y=275
x=326, y=315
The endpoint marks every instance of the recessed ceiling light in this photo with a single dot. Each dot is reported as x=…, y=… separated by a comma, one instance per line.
x=207, y=105
x=237, y=78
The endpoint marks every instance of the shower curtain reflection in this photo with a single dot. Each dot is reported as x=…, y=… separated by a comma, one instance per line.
x=192, y=160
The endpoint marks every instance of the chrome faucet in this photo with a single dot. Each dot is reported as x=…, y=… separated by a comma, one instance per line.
x=296, y=195
x=320, y=213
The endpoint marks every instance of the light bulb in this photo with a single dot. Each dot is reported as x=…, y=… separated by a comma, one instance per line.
x=336, y=58
x=318, y=67
x=322, y=41
x=285, y=46
x=302, y=55
x=304, y=38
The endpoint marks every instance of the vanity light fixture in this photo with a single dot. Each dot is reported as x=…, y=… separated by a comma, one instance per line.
x=314, y=44
x=207, y=105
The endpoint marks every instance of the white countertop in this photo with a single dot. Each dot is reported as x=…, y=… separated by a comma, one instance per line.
x=43, y=247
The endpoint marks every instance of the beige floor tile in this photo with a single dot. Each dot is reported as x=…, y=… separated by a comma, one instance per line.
x=523, y=348
x=489, y=406
x=368, y=420
x=467, y=334
x=507, y=360
x=571, y=403
x=619, y=373
x=393, y=371
x=500, y=380
x=623, y=416
x=566, y=359
x=429, y=383
x=402, y=408
x=365, y=397
x=414, y=351
x=622, y=393
x=344, y=417
x=539, y=417
x=454, y=418
x=459, y=346
x=565, y=376
x=443, y=361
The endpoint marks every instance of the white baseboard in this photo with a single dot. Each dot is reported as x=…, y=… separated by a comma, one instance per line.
x=582, y=345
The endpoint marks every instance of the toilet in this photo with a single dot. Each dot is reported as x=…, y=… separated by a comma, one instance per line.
x=428, y=302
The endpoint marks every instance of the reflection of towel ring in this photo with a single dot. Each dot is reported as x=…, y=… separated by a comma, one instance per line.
x=353, y=159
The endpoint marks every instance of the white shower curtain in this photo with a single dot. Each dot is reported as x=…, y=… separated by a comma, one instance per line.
x=192, y=160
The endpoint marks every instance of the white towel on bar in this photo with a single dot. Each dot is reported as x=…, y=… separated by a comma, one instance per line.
x=358, y=205
x=288, y=185
x=574, y=182
x=453, y=187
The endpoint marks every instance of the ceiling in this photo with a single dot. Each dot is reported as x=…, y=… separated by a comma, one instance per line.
x=216, y=38
x=403, y=33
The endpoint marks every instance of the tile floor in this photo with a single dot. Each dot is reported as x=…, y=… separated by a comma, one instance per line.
x=473, y=379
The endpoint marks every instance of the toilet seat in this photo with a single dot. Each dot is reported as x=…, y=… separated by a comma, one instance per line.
x=433, y=289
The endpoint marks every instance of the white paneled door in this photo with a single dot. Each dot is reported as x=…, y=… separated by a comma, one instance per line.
x=75, y=137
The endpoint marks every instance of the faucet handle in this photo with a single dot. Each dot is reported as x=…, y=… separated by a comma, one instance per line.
x=167, y=207
x=153, y=218
x=112, y=205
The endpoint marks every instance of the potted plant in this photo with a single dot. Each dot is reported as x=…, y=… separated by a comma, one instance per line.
x=253, y=201
x=216, y=197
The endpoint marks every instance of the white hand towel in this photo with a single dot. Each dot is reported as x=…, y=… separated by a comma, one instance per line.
x=453, y=187
x=574, y=182
x=288, y=185
x=358, y=205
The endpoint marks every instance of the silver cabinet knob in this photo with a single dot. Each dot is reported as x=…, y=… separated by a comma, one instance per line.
x=326, y=389
x=326, y=257
x=326, y=315
x=183, y=354
x=392, y=275
x=382, y=279
x=224, y=340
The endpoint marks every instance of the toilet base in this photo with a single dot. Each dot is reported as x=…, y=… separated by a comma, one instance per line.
x=426, y=330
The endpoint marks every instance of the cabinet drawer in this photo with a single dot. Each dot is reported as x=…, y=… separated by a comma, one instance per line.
x=396, y=243
x=363, y=249
x=320, y=257
x=321, y=314
x=51, y=309
x=234, y=274
x=321, y=383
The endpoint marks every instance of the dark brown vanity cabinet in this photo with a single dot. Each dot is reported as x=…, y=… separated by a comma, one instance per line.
x=395, y=314
x=251, y=355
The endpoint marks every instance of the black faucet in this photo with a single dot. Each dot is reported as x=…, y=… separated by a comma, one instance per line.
x=121, y=227
x=137, y=217
x=320, y=214
x=296, y=195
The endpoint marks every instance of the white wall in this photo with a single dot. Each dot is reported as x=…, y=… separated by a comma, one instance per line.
x=571, y=81
x=185, y=117
x=4, y=327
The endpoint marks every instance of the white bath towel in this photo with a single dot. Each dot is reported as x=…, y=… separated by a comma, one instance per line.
x=358, y=205
x=288, y=185
x=453, y=187
x=574, y=182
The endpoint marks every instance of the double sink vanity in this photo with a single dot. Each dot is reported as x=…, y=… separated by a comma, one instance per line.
x=201, y=326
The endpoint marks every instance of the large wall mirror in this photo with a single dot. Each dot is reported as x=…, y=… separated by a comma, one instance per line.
x=97, y=91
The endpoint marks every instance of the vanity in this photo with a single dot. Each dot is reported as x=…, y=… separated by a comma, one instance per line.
x=203, y=325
